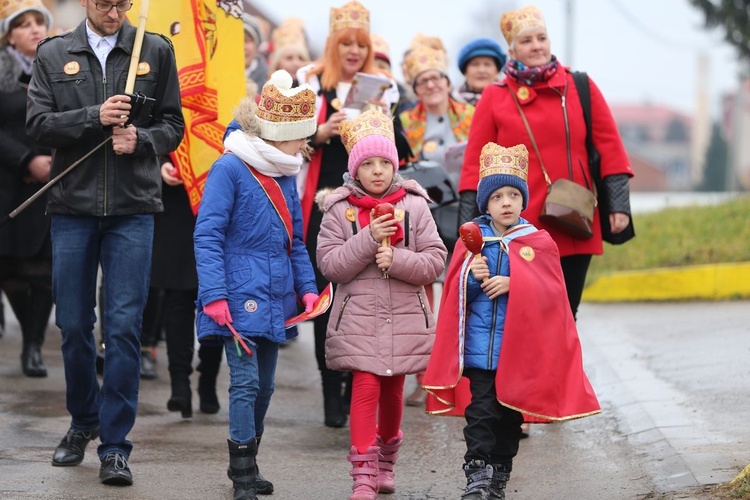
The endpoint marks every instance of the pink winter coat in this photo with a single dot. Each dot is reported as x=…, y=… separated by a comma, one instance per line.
x=380, y=326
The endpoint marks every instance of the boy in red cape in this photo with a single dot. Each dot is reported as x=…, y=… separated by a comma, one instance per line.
x=505, y=358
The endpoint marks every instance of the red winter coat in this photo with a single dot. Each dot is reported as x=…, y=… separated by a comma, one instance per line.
x=497, y=119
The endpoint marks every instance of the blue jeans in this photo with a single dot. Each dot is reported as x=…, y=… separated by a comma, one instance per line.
x=251, y=385
x=122, y=246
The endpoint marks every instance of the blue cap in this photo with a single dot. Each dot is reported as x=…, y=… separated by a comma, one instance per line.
x=481, y=47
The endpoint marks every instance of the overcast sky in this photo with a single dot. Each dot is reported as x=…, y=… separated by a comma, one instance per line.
x=635, y=50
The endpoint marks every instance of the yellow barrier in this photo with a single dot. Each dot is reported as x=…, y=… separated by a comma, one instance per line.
x=707, y=282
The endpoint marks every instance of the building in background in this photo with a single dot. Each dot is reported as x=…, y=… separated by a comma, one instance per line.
x=657, y=138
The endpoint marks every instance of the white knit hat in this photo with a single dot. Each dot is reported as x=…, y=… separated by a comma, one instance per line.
x=286, y=113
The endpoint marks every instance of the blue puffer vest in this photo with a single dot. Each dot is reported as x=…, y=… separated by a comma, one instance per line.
x=485, y=318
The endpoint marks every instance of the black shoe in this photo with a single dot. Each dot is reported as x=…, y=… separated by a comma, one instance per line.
x=115, y=470
x=148, y=366
x=71, y=449
x=31, y=362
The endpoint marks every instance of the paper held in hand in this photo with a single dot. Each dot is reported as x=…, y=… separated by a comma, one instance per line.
x=366, y=88
x=325, y=299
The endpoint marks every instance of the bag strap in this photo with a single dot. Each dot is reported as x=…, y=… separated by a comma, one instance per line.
x=531, y=136
x=581, y=81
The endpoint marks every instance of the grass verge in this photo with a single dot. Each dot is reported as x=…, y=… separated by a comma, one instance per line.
x=683, y=236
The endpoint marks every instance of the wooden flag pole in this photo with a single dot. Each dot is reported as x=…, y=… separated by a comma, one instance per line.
x=137, y=45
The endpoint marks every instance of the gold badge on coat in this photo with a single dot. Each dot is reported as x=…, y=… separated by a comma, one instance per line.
x=523, y=93
x=351, y=214
x=143, y=68
x=72, y=68
x=336, y=103
x=399, y=214
x=527, y=253
x=430, y=147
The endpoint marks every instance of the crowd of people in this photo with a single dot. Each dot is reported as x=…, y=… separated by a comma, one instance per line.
x=308, y=192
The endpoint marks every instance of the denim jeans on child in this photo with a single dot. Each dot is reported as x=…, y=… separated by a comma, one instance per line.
x=122, y=246
x=251, y=385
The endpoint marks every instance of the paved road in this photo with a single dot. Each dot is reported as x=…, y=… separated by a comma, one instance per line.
x=673, y=379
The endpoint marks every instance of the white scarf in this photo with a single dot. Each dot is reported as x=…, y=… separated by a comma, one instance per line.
x=262, y=156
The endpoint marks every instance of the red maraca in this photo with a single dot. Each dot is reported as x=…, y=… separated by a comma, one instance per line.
x=471, y=235
x=380, y=210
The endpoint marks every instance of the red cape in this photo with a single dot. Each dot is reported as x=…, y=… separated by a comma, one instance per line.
x=540, y=371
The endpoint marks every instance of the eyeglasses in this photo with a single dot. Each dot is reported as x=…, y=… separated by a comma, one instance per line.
x=432, y=79
x=107, y=7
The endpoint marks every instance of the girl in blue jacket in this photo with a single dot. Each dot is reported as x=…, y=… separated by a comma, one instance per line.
x=251, y=260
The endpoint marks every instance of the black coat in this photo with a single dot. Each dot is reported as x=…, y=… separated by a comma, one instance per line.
x=173, y=260
x=65, y=95
x=27, y=235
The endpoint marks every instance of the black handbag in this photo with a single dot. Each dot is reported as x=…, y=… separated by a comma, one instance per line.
x=581, y=81
x=441, y=189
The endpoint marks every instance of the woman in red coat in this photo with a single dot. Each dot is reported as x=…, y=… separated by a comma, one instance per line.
x=545, y=91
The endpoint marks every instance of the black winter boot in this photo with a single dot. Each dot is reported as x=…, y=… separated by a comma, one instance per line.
x=262, y=485
x=333, y=398
x=242, y=468
x=478, y=476
x=182, y=397
x=32, y=305
x=500, y=477
x=210, y=361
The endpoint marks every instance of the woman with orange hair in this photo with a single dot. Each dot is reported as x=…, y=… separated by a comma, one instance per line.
x=348, y=51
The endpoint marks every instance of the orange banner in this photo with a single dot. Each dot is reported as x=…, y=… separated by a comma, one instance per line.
x=208, y=38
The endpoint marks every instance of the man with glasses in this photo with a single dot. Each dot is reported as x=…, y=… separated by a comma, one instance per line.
x=103, y=212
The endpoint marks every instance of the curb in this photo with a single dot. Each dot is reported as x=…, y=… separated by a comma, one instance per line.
x=706, y=282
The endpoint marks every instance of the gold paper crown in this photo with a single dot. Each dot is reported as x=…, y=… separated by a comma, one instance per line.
x=515, y=20
x=424, y=58
x=287, y=35
x=421, y=40
x=352, y=15
x=292, y=22
x=286, y=113
x=495, y=159
x=10, y=7
x=371, y=122
x=380, y=46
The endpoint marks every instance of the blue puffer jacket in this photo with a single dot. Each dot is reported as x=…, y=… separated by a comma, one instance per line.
x=241, y=254
x=486, y=318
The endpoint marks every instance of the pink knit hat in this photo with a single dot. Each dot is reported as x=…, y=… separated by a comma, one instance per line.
x=370, y=134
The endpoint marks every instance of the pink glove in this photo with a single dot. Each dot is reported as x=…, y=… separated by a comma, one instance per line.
x=218, y=310
x=309, y=300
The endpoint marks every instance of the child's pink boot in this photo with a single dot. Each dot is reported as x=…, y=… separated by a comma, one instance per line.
x=365, y=473
x=386, y=461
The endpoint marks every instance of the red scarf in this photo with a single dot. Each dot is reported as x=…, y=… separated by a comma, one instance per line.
x=367, y=203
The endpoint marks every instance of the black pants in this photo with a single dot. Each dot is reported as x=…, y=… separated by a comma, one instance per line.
x=574, y=268
x=492, y=430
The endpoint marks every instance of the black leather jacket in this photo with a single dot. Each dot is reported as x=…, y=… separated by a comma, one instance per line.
x=65, y=94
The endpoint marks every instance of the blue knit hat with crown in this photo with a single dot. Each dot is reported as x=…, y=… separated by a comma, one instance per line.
x=498, y=167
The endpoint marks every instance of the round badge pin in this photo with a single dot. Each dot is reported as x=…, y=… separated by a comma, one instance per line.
x=337, y=104
x=430, y=147
x=523, y=93
x=143, y=68
x=72, y=68
x=251, y=306
x=527, y=253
